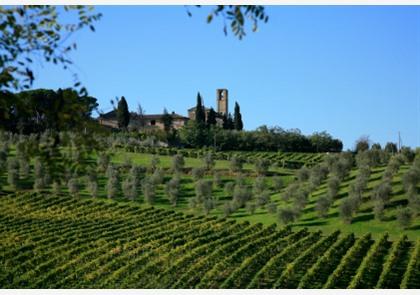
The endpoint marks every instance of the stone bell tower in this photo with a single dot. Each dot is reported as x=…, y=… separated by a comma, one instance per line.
x=222, y=101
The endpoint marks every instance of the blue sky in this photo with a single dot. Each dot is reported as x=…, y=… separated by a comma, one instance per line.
x=349, y=70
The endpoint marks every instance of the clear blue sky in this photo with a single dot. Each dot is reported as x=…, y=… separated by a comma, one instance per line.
x=349, y=70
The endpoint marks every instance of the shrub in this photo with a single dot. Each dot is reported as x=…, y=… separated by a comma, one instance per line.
x=404, y=217
x=154, y=162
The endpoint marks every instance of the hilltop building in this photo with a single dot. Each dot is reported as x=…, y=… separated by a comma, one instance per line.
x=155, y=120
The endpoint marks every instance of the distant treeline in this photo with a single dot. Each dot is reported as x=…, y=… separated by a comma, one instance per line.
x=261, y=139
x=36, y=111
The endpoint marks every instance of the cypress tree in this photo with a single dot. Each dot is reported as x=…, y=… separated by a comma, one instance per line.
x=230, y=123
x=237, y=118
x=200, y=116
x=123, y=116
x=166, y=120
x=211, y=118
x=225, y=122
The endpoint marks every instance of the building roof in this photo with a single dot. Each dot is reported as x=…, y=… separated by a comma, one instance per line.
x=112, y=115
x=193, y=109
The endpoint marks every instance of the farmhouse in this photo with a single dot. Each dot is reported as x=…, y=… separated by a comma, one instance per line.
x=145, y=121
x=155, y=120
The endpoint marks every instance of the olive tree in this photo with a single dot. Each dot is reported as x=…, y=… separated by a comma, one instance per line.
x=303, y=174
x=277, y=183
x=197, y=173
x=236, y=164
x=333, y=185
x=404, y=217
x=74, y=186
x=172, y=190
x=259, y=185
x=347, y=209
x=129, y=188
x=177, y=163
x=251, y=207
x=149, y=190
x=286, y=215
x=261, y=166
x=323, y=204
x=154, y=163
x=13, y=172
x=217, y=179
x=228, y=188
x=271, y=208
x=92, y=187
x=208, y=160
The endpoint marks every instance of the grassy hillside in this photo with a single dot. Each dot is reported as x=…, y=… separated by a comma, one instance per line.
x=362, y=222
x=59, y=241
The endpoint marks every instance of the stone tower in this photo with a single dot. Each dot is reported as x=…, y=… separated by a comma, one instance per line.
x=222, y=101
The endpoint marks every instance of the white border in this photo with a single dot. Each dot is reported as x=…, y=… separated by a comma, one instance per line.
x=207, y=291
x=209, y=2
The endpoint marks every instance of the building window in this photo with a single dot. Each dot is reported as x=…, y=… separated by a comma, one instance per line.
x=153, y=122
